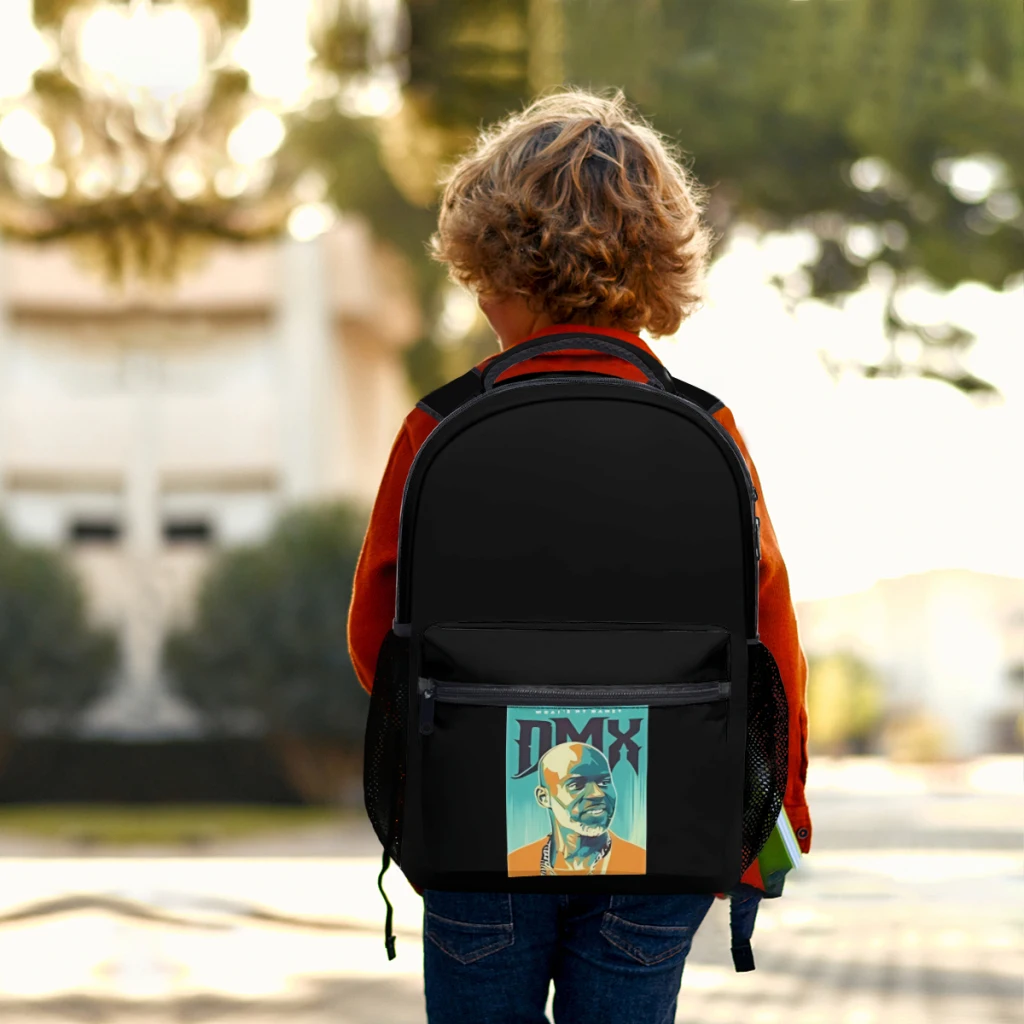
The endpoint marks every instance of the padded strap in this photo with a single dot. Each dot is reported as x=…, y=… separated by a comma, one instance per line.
x=652, y=369
x=707, y=401
x=443, y=401
x=448, y=397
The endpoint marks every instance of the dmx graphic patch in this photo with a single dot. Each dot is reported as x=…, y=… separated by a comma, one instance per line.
x=576, y=791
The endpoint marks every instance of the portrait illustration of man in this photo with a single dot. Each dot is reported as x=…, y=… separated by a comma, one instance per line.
x=575, y=787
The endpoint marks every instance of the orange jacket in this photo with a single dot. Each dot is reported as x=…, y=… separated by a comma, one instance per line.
x=373, y=595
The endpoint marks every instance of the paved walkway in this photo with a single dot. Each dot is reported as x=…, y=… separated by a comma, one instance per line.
x=908, y=912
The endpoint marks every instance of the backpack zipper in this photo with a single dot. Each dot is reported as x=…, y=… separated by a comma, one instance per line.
x=433, y=691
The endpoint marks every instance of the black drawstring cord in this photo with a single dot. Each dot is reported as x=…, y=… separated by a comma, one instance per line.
x=389, y=934
x=742, y=913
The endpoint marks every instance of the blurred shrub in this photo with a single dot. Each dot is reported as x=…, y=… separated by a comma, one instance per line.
x=268, y=647
x=1006, y=732
x=53, y=664
x=844, y=704
x=913, y=734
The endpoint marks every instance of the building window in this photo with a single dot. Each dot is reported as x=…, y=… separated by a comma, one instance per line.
x=188, y=531
x=94, y=530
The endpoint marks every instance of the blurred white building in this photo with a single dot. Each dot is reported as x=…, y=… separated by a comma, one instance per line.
x=949, y=642
x=141, y=430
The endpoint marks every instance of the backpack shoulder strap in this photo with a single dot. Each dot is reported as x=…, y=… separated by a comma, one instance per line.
x=707, y=401
x=443, y=401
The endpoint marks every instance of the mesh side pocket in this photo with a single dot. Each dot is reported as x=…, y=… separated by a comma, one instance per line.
x=385, y=748
x=767, y=761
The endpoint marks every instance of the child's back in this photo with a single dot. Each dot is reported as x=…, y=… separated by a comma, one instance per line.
x=571, y=217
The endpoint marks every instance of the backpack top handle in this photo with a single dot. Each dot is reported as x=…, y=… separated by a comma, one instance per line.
x=655, y=373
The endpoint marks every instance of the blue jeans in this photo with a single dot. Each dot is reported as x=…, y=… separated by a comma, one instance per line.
x=489, y=957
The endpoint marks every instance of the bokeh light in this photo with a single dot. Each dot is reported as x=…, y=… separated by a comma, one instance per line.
x=25, y=137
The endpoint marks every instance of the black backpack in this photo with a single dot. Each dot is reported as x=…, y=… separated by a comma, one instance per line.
x=573, y=697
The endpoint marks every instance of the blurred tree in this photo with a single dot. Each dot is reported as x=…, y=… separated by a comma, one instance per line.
x=914, y=734
x=49, y=13
x=52, y=663
x=348, y=154
x=888, y=128
x=139, y=180
x=844, y=704
x=468, y=63
x=268, y=646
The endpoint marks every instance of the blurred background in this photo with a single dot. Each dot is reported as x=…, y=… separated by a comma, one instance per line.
x=216, y=308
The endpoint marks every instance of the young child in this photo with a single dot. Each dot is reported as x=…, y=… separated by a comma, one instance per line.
x=572, y=212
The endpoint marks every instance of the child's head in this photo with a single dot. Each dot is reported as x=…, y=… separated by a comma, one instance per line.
x=579, y=208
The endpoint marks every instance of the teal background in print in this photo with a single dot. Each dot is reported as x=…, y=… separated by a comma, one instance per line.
x=620, y=733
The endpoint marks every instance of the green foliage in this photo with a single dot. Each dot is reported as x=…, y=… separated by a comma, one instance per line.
x=821, y=114
x=347, y=153
x=156, y=824
x=844, y=703
x=469, y=63
x=470, y=59
x=145, y=227
x=50, y=13
x=776, y=101
x=847, y=117
x=838, y=116
x=270, y=635
x=52, y=663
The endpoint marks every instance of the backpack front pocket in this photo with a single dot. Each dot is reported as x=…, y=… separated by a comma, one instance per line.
x=578, y=750
x=577, y=653
x=556, y=782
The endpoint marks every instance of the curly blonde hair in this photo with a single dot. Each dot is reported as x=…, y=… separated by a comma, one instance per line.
x=578, y=205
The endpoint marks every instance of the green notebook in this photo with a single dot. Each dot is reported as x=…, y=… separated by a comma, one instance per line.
x=781, y=852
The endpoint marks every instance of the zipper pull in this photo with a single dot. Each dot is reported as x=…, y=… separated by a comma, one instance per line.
x=427, y=697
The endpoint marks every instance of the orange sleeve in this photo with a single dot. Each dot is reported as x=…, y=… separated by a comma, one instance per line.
x=776, y=621
x=373, y=588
